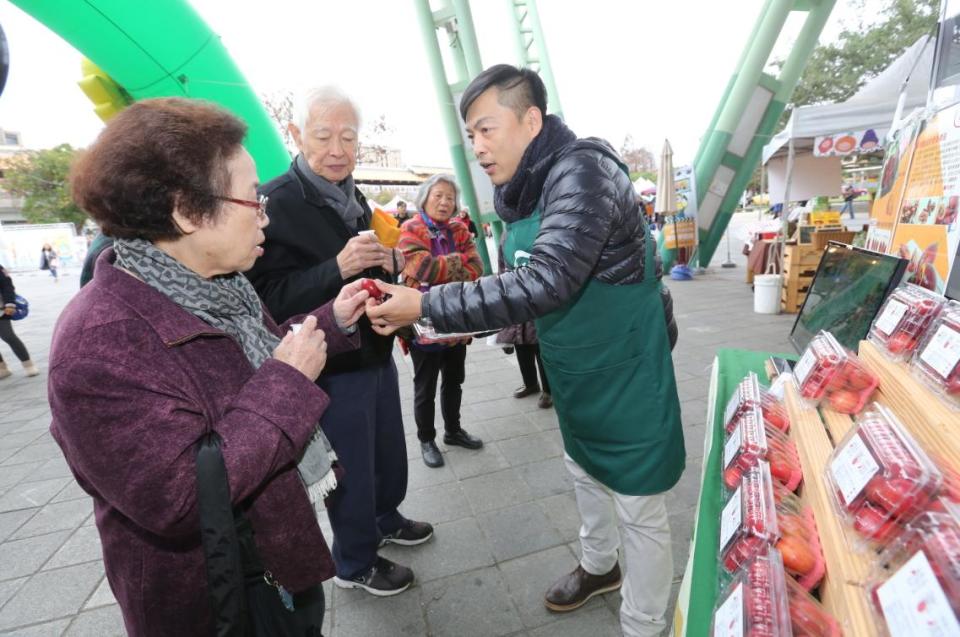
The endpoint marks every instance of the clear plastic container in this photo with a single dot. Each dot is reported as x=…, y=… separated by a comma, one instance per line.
x=915, y=584
x=880, y=478
x=762, y=602
x=808, y=617
x=904, y=319
x=756, y=602
x=936, y=358
x=748, y=522
x=799, y=542
x=753, y=439
x=830, y=375
x=750, y=392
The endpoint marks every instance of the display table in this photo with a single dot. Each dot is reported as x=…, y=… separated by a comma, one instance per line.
x=699, y=590
x=843, y=591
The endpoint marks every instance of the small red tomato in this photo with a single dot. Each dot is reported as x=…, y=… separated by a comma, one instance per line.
x=953, y=385
x=901, y=342
x=732, y=476
x=844, y=401
x=372, y=289
x=895, y=495
x=872, y=522
x=797, y=556
x=776, y=418
x=857, y=378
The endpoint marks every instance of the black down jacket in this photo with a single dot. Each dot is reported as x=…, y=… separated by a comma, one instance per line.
x=591, y=227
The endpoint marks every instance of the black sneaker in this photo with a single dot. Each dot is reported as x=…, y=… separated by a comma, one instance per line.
x=385, y=578
x=410, y=535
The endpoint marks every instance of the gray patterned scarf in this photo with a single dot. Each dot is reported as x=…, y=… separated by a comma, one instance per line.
x=228, y=303
x=341, y=196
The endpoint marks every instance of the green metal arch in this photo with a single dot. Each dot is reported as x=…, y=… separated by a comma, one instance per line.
x=164, y=49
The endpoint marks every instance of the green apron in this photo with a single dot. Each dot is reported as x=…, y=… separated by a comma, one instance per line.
x=607, y=357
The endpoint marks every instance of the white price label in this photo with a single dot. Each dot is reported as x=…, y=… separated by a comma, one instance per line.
x=804, y=366
x=730, y=519
x=914, y=604
x=943, y=351
x=852, y=468
x=731, y=409
x=731, y=446
x=890, y=317
x=728, y=620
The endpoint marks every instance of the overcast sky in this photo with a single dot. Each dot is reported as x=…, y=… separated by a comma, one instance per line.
x=648, y=68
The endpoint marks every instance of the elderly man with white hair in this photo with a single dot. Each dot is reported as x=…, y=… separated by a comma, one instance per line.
x=315, y=244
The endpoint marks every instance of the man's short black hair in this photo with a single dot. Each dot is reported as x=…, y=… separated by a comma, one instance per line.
x=520, y=88
x=401, y=203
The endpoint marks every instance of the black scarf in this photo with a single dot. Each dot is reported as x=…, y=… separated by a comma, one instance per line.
x=517, y=198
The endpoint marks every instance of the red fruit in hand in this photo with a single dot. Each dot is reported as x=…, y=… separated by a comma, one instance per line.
x=844, y=401
x=953, y=385
x=371, y=287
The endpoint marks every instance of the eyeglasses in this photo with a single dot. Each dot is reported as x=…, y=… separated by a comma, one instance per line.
x=260, y=205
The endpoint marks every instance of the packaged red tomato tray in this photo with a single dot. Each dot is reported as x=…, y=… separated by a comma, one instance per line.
x=936, y=358
x=758, y=515
x=762, y=602
x=880, y=478
x=755, y=603
x=915, y=585
x=833, y=376
x=751, y=439
x=904, y=319
x=750, y=392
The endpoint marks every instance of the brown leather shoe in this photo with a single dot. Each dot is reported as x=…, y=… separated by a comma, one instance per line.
x=575, y=589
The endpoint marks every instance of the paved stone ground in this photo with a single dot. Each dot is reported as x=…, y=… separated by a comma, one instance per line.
x=505, y=517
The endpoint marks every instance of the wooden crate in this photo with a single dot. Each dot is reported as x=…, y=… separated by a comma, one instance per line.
x=799, y=265
x=821, y=238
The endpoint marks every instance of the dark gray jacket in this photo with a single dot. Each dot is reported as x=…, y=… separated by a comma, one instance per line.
x=591, y=227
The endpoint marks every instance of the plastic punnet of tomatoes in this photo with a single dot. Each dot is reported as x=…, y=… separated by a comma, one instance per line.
x=936, y=358
x=915, y=585
x=881, y=478
x=828, y=374
x=753, y=439
x=755, y=603
x=799, y=542
x=808, y=617
x=750, y=392
x=748, y=522
x=903, y=320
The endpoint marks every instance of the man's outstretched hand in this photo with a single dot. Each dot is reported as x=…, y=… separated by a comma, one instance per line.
x=402, y=308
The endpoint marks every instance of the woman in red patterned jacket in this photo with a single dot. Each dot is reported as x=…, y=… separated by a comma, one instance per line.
x=438, y=249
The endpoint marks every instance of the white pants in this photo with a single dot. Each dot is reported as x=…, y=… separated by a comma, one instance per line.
x=648, y=559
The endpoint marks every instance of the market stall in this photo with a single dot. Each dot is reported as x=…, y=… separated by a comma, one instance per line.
x=873, y=435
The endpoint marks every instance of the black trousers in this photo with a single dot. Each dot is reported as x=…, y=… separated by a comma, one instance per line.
x=365, y=427
x=528, y=356
x=427, y=366
x=8, y=337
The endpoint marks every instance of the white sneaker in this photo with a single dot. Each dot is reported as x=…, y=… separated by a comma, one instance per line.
x=5, y=371
x=30, y=368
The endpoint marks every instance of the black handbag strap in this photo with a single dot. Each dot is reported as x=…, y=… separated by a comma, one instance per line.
x=218, y=534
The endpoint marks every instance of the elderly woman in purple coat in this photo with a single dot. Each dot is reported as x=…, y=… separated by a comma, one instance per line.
x=176, y=398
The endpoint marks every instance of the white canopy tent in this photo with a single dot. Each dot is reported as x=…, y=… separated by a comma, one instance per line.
x=873, y=106
x=642, y=184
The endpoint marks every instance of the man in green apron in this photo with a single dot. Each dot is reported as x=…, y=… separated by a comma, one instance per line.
x=586, y=270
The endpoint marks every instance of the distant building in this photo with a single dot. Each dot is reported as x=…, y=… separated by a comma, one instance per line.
x=11, y=208
x=403, y=181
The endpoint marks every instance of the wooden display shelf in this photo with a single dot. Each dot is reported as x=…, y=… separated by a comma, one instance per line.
x=843, y=588
x=799, y=265
x=935, y=426
x=924, y=414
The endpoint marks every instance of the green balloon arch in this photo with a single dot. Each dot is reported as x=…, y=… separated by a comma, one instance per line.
x=164, y=49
